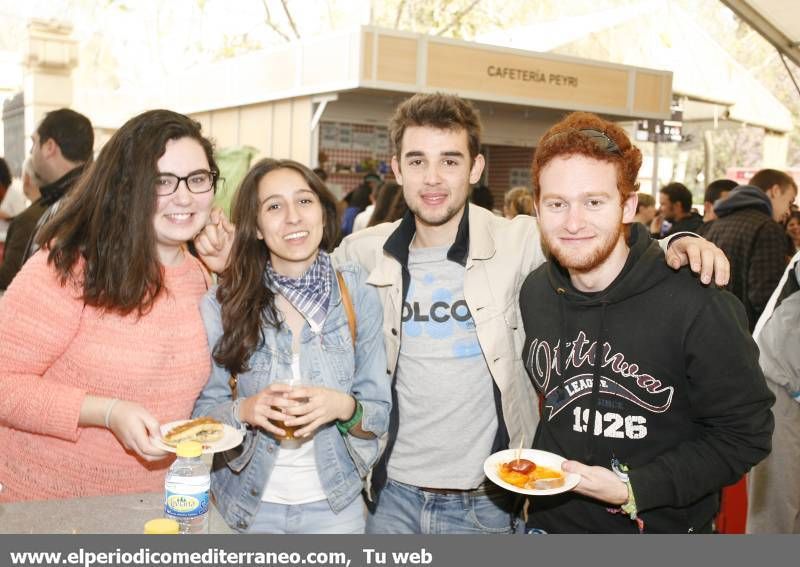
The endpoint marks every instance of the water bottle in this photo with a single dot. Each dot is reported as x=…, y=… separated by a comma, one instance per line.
x=187, y=489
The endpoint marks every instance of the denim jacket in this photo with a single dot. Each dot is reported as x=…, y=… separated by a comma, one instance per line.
x=326, y=359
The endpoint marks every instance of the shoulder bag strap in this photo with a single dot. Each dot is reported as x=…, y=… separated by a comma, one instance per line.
x=233, y=382
x=348, y=306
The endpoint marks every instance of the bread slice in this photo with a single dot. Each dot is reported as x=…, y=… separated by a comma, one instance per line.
x=202, y=430
x=544, y=478
x=545, y=483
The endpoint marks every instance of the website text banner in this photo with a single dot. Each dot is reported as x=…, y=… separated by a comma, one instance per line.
x=392, y=551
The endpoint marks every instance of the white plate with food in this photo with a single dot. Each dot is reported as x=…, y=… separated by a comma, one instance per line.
x=529, y=471
x=213, y=435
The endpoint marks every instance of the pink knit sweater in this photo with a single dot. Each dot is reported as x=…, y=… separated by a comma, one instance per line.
x=54, y=352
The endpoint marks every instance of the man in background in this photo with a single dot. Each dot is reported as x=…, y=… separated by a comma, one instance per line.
x=715, y=192
x=676, y=208
x=645, y=209
x=62, y=146
x=749, y=231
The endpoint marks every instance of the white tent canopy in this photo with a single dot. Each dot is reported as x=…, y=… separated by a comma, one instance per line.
x=777, y=20
x=661, y=35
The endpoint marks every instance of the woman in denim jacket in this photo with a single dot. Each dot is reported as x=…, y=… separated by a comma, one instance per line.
x=279, y=313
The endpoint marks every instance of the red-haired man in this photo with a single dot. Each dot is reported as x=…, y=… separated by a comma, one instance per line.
x=655, y=419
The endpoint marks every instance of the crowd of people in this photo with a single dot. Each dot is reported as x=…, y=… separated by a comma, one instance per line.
x=421, y=329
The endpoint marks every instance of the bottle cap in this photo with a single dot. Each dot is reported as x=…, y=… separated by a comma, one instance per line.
x=189, y=449
x=162, y=526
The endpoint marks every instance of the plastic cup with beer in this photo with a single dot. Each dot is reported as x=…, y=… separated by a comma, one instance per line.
x=288, y=429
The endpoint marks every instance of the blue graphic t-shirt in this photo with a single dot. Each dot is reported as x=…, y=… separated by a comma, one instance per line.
x=444, y=389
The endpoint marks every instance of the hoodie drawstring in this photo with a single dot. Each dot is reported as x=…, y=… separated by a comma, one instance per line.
x=561, y=357
x=562, y=339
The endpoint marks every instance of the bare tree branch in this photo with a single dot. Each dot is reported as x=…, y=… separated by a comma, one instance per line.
x=289, y=17
x=399, y=13
x=457, y=18
x=271, y=24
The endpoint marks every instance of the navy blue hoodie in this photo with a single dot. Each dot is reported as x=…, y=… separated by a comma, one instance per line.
x=744, y=197
x=676, y=392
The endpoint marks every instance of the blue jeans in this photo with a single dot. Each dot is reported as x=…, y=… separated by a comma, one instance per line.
x=312, y=518
x=406, y=509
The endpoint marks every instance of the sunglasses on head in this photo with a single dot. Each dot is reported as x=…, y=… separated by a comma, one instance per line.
x=598, y=138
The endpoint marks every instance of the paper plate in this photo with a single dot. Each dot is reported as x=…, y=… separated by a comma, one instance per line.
x=230, y=438
x=543, y=458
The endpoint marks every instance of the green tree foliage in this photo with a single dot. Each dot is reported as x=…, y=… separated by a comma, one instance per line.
x=129, y=41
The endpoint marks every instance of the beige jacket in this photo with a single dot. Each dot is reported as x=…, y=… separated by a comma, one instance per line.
x=501, y=254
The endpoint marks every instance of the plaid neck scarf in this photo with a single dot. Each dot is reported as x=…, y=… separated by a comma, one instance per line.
x=310, y=293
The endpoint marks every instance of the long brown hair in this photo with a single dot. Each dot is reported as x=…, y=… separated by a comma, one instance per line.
x=247, y=302
x=107, y=219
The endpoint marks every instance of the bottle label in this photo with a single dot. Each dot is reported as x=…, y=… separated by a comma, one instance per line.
x=188, y=497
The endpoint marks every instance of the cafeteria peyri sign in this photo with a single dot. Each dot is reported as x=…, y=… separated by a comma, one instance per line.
x=531, y=75
x=544, y=80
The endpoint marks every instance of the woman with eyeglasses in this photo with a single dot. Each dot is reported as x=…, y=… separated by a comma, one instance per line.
x=101, y=338
x=280, y=313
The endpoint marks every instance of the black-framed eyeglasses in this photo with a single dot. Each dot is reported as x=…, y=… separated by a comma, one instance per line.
x=200, y=181
x=597, y=137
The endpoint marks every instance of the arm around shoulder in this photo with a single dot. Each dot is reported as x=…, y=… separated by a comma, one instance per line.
x=702, y=256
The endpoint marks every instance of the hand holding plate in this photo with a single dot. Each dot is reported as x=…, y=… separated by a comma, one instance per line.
x=599, y=483
x=134, y=426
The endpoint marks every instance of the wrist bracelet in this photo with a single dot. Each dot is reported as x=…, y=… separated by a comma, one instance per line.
x=345, y=427
x=108, y=412
x=628, y=508
x=621, y=471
